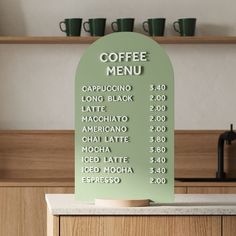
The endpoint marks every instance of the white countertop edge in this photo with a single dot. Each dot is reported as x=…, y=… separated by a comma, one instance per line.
x=112, y=212
x=186, y=204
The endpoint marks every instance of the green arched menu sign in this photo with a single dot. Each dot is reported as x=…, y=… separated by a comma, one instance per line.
x=124, y=120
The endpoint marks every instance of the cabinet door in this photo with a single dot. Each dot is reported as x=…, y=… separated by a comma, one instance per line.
x=140, y=225
x=211, y=190
x=11, y=211
x=23, y=210
x=229, y=226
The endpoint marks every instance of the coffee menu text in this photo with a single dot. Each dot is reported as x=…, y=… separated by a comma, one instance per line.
x=97, y=119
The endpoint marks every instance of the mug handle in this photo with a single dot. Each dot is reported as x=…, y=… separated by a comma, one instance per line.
x=60, y=25
x=84, y=26
x=175, y=28
x=144, y=24
x=112, y=26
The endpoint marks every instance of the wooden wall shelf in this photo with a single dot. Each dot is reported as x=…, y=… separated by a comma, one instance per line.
x=89, y=40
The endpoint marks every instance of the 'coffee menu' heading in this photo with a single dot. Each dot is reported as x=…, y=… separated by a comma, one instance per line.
x=123, y=70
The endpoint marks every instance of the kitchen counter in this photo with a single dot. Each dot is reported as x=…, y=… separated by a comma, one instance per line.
x=185, y=204
x=190, y=214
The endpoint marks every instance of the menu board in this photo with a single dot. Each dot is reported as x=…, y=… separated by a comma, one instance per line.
x=124, y=120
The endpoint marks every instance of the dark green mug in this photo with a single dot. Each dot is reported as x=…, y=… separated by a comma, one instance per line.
x=123, y=25
x=186, y=26
x=72, y=26
x=96, y=26
x=155, y=26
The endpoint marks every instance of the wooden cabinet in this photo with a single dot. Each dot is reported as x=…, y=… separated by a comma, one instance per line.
x=229, y=226
x=143, y=225
x=10, y=211
x=139, y=226
x=23, y=210
x=68, y=218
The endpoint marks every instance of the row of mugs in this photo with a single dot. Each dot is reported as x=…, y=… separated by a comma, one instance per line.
x=153, y=26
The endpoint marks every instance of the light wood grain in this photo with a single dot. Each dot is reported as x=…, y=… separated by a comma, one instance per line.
x=229, y=226
x=140, y=226
x=53, y=225
x=36, y=154
x=88, y=40
x=196, y=154
x=23, y=210
x=101, y=202
x=11, y=209
x=35, y=209
x=180, y=190
x=211, y=190
x=37, y=182
x=196, y=40
x=46, y=40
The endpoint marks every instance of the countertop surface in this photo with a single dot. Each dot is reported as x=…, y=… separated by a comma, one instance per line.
x=185, y=204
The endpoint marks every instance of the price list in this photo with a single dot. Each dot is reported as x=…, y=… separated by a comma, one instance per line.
x=158, y=133
x=124, y=142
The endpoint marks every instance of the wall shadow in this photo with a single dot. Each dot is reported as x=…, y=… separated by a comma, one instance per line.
x=213, y=29
x=12, y=21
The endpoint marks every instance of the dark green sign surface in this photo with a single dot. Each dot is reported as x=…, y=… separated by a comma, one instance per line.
x=124, y=120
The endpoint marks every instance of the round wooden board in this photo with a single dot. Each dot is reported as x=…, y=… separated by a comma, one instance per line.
x=122, y=203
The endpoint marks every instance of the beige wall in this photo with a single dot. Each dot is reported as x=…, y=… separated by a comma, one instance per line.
x=36, y=81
